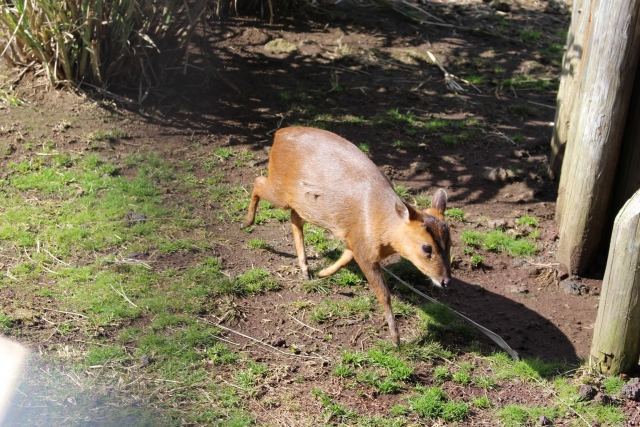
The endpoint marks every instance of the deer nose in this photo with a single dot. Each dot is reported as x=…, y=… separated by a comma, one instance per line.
x=445, y=282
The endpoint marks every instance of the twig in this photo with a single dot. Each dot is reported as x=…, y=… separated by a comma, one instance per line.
x=423, y=11
x=267, y=345
x=504, y=136
x=542, y=265
x=541, y=105
x=304, y=324
x=562, y=400
x=122, y=294
x=64, y=312
x=448, y=78
x=57, y=259
x=494, y=337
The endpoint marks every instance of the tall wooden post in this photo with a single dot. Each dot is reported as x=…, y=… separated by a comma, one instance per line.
x=567, y=103
x=577, y=37
x=616, y=339
x=628, y=173
x=611, y=58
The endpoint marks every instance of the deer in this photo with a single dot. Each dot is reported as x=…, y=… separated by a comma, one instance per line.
x=327, y=181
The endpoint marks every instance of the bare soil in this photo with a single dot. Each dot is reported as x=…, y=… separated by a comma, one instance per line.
x=520, y=299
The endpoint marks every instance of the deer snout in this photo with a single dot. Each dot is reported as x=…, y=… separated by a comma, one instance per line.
x=445, y=282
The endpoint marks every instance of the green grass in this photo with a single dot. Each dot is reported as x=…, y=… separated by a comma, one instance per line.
x=455, y=213
x=476, y=260
x=481, y=402
x=432, y=403
x=613, y=385
x=364, y=147
x=441, y=374
x=526, y=220
x=498, y=241
x=257, y=244
x=402, y=191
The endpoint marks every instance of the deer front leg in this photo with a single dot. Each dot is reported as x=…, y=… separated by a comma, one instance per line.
x=373, y=273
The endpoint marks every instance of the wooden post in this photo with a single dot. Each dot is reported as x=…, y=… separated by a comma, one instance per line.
x=628, y=173
x=611, y=58
x=569, y=81
x=616, y=339
x=567, y=105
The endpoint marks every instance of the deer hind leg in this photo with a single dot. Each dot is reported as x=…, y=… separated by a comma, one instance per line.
x=373, y=273
x=298, y=238
x=345, y=258
x=258, y=193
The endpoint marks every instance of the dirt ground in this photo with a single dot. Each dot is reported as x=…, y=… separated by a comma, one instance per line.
x=352, y=61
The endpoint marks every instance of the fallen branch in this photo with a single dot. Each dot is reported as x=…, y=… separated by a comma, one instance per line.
x=122, y=294
x=264, y=344
x=494, y=337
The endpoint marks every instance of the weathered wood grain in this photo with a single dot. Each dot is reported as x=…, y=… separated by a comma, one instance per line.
x=611, y=59
x=616, y=342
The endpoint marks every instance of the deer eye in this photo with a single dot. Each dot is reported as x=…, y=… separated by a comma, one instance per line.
x=427, y=249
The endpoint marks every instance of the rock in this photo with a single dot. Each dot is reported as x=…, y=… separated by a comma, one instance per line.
x=497, y=223
x=145, y=360
x=574, y=288
x=478, y=288
x=513, y=289
x=267, y=149
x=278, y=342
x=25, y=316
x=135, y=217
x=518, y=263
x=632, y=391
x=603, y=398
x=499, y=175
x=280, y=46
x=502, y=7
x=587, y=392
x=417, y=167
x=544, y=421
x=533, y=271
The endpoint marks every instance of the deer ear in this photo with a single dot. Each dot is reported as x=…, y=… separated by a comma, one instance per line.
x=438, y=205
x=439, y=201
x=402, y=210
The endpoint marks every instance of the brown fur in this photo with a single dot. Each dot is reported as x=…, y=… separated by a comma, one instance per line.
x=327, y=181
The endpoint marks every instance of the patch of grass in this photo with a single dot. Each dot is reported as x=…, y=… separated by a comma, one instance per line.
x=481, y=402
x=364, y=147
x=526, y=369
x=484, y=382
x=476, y=260
x=461, y=377
x=528, y=35
x=257, y=244
x=526, y=220
x=422, y=201
x=520, y=415
x=402, y=191
x=455, y=213
x=449, y=139
x=224, y=152
x=103, y=354
x=343, y=371
x=6, y=322
x=397, y=368
x=361, y=307
x=107, y=135
x=524, y=111
x=433, y=403
x=613, y=385
x=498, y=241
x=518, y=138
x=441, y=374
x=333, y=411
